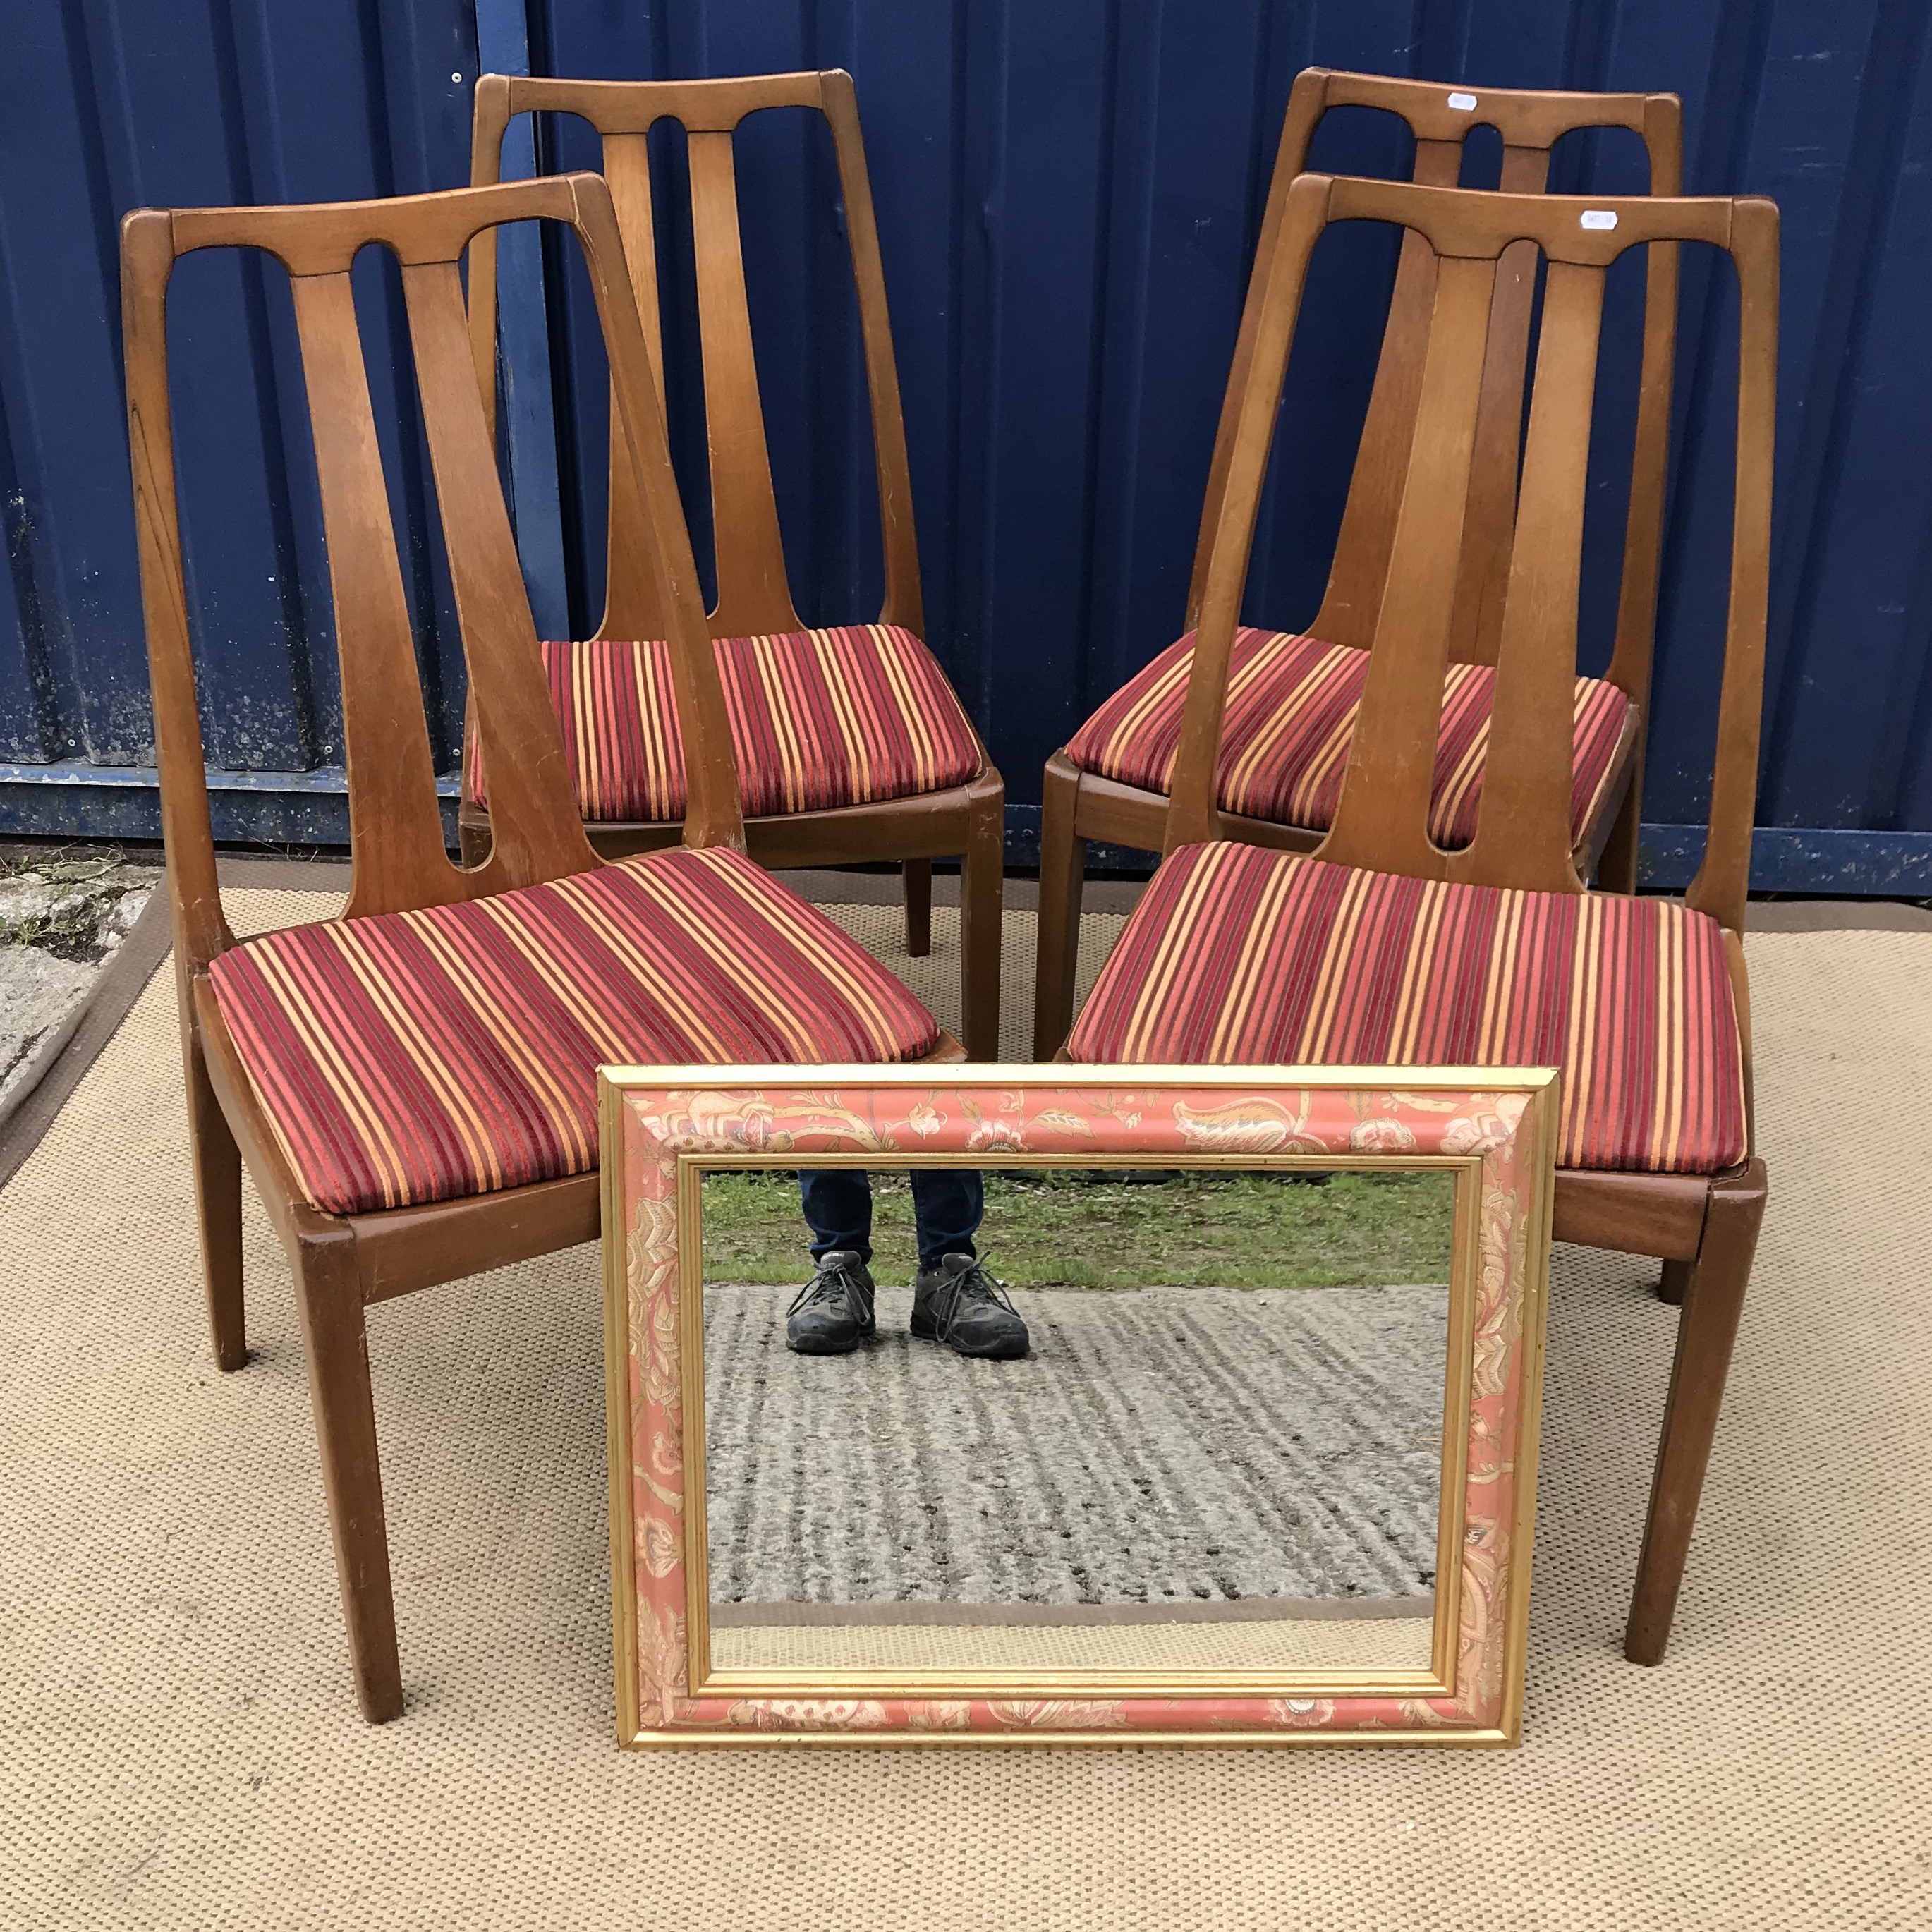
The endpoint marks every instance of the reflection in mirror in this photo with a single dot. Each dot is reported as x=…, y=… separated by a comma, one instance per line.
x=1222, y=1449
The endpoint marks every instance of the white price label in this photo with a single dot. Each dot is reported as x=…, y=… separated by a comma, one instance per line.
x=1600, y=217
x=1462, y=102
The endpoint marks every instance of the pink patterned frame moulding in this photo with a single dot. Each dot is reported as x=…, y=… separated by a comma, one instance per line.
x=663, y=1127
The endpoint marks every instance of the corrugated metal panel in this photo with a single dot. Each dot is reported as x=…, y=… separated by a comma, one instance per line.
x=1068, y=197
x=106, y=106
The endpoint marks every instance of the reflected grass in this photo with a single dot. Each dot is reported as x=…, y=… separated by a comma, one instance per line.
x=1072, y=1228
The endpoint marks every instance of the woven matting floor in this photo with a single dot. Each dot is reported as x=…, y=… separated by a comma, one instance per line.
x=180, y=1747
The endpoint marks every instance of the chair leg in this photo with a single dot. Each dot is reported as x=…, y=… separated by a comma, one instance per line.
x=217, y=1200
x=1713, y=1302
x=982, y=904
x=1674, y=1283
x=918, y=906
x=345, y=1426
x=1062, y=867
x=1616, y=871
x=473, y=842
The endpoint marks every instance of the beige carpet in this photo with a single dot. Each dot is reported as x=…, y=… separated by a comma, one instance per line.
x=178, y=1746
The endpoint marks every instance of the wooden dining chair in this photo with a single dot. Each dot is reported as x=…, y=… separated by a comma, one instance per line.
x=412, y=1084
x=851, y=745
x=1384, y=946
x=1293, y=695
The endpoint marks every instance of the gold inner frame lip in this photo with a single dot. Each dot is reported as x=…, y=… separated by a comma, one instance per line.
x=1539, y=1086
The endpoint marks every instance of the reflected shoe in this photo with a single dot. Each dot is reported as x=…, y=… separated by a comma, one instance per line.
x=832, y=1314
x=959, y=1303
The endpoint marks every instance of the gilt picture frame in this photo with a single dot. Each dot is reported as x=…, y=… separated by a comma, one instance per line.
x=663, y=1129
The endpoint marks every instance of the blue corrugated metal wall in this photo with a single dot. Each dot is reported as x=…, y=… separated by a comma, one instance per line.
x=1068, y=195
x=107, y=105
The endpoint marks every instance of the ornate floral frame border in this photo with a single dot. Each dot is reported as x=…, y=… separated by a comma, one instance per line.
x=663, y=1127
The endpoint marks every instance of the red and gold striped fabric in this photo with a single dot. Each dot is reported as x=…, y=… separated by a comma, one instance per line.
x=426, y=1056
x=1291, y=704
x=819, y=719
x=1240, y=955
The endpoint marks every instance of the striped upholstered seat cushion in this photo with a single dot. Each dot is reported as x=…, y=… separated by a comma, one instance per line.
x=1291, y=704
x=424, y=1056
x=1239, y=955
x=819, y=719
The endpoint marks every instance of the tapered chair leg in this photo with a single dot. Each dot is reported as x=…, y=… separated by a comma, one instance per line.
x=1713, y=1302
x=217, y=1200
x=1616, y=871
x=982, y=905
x=918, y=873
x=1062, y=867
x=345, y=1426
x=473, y=842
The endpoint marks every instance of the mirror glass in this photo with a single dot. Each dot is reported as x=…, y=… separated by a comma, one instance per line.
x=1221, y=1448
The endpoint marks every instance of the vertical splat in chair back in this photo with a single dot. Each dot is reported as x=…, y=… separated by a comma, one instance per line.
x=1522, y=834
x=753, y=591
x=1529, y=123
x=396, y=832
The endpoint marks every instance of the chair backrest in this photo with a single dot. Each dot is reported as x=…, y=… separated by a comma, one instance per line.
x=753, y=591
x=1523, y=829
x=395, y=822
x=1529, y=122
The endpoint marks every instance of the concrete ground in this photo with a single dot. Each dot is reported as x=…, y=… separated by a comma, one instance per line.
x=1159, y=1445
x=63, y=912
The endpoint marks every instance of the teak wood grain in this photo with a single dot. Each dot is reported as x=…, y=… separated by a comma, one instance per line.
x=1080, y=806
x=1705, y=1228
x=398, y=859
x=754, y=593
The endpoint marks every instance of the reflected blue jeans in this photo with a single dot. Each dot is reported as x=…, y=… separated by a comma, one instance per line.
x=947, y=1204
